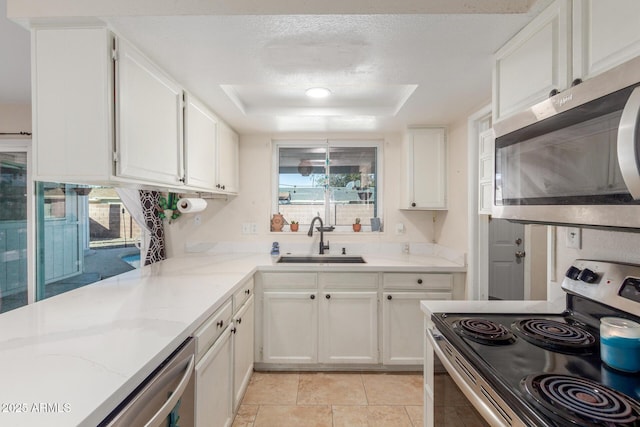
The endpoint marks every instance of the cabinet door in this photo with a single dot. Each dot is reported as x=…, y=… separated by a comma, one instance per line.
x=485, y=172
x=242, y=351
x=227, y=159
x=605, y=34
x=201, y=133
x=402, y=326
x=213, y=384
x=349, y=327
x=149, y=120
x=534, y=62
x=72, y=100
x=426, y=158
x=290, y=323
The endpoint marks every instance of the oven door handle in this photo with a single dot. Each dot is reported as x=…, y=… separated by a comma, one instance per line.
x=160, y=417
x=628, y=144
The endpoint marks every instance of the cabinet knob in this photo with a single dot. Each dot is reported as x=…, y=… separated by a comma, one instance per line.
x=419, y=281
x=181, y=179
x=413, y=204
x=553, y=92
x=220, y=324
x=389, y=297
x=247, y=291
x=328, y=296
x=239, y=320
x=312, y=297
x=233, y=330
x=223, y=187
x=217, y=185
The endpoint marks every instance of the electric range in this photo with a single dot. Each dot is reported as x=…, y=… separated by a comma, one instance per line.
x=521, y=369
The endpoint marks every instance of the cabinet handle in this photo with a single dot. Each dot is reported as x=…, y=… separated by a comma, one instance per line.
x=220, y=324
x=328, y=296
x=247, y=291
x=389, y=297
x=419, y=281
x=233, y=330
x=413, y=205
x=312, y=297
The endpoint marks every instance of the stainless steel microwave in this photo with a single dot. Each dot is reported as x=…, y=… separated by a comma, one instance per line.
x=575, y=157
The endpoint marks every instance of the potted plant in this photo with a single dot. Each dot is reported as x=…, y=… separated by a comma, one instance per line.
x=357, y=226
x=294, y=226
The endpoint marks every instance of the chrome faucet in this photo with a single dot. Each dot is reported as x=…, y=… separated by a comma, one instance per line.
x=310, y=233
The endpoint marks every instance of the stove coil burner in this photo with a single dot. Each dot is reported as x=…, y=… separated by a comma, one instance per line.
x=580, y=401
x=483, y=331
x=555, y=335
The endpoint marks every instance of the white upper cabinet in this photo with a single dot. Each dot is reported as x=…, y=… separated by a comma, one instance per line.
x=104, y=114
x=149, y=120
x=569, y=40
x=426, y=180
x=534, y=62
x=72, y=104
x=605, y=34
x=227, y=160
x=201, y=135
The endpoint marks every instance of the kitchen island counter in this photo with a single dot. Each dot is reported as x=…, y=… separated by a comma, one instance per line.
x=71, y=359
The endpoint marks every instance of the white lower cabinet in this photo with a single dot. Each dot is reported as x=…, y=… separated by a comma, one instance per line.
x=349, y=327
x=290, y=327
x=213, y=384
x=243, y=323
x=402, y=326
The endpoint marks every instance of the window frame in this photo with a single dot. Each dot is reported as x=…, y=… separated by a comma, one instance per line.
x=328, y=143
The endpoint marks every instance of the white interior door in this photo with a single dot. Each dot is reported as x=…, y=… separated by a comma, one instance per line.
x=506, y=260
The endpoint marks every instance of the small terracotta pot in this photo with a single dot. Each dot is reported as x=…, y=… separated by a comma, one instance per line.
x=357, y=227
x=294, y=227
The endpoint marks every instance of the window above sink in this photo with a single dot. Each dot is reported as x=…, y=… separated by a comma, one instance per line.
x=338, y=180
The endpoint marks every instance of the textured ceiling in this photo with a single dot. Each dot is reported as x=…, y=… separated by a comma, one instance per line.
x=387, y=71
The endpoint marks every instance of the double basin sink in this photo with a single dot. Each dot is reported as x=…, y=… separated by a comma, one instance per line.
x=321, y=259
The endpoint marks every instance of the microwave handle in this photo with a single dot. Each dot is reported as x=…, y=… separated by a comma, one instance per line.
x=628, y=144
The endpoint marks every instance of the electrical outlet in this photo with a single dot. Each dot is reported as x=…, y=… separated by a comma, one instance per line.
x=399, y=228
x=253, y=228
x=574, y=238
x=197, y=220
x=246, y=228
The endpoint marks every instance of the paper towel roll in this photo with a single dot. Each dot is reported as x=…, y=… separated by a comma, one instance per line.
x=191, y=205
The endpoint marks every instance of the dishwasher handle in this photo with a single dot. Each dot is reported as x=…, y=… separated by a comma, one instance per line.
x=160, y=417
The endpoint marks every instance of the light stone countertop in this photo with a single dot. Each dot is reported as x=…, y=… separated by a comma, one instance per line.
x=82, y=352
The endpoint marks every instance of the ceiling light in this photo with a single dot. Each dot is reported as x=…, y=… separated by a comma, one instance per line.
x=318, y=92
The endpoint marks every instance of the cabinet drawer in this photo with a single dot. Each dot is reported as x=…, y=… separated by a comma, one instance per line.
x=211, y=329
x=348, y=280
x=290, y=280
x=441, y=282
x=242, y=294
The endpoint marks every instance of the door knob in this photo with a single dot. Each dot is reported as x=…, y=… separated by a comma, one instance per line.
x=520, y=254
x=518, y=241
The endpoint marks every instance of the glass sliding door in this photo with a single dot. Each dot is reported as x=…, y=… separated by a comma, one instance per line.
x=13, y=229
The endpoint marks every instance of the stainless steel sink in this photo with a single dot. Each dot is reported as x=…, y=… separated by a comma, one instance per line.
x=321, y=259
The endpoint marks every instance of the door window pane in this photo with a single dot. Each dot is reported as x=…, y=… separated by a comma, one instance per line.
x=84, y=234
x=13, y=230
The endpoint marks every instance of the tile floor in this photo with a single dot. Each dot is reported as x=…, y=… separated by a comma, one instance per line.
x=320, y=399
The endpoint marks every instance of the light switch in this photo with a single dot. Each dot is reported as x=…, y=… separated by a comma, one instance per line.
x=399, y=228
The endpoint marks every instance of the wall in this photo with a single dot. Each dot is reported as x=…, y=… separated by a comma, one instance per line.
x=596, y=244
x=222, y=221
x=15, y=118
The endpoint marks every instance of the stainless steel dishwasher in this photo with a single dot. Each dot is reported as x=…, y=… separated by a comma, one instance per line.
x=165, y=398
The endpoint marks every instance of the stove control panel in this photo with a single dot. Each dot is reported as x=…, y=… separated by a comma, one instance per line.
x=613, y=284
